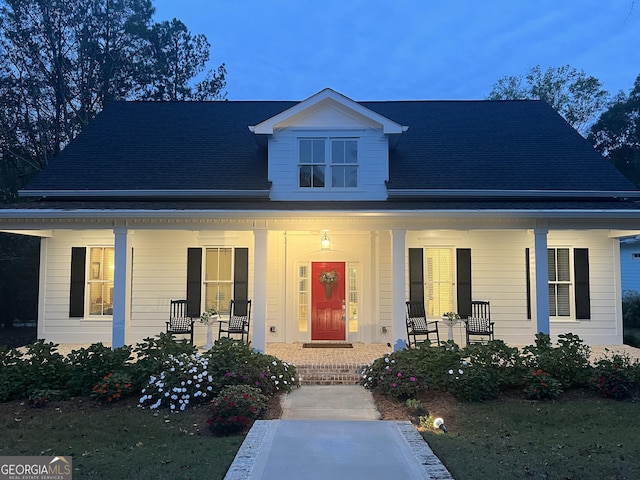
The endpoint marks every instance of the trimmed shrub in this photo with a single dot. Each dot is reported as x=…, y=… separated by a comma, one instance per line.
x=502, y=362
x=41, y=368
x=613, y=376
x=471, y=383
x=235, y=409
x=113, y=387
x=90, y=365
x=234, y=363
x=568, y=362
x=538, y=385
x=405, y=373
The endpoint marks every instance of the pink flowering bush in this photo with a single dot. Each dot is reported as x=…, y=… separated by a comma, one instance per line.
x=235, y=409
x=395, y=375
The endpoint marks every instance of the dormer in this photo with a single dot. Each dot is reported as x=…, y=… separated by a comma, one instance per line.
x=328, y=147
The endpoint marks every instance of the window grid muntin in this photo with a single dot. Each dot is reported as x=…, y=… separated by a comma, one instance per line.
x=334, y=165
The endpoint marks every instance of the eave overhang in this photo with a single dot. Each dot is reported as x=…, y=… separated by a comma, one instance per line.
x=484, y=194
x=148, y=194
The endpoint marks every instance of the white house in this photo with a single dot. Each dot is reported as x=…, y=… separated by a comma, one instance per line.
x=440, y=201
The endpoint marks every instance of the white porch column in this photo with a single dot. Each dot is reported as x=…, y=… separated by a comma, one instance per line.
x=259, y=303
x=542, y=280
x=121, y=287
x=398, y=273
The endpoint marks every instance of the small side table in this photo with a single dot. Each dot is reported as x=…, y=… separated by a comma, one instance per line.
x=212, y=319
x=450, y=324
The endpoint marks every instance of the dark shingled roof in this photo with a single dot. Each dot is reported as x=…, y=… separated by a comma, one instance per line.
x=501, y=145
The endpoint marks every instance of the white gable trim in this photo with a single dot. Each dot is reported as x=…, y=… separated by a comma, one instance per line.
x=327, y=96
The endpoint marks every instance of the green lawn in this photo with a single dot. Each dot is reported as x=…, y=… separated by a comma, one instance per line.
x=118, y=441
x=588, y=438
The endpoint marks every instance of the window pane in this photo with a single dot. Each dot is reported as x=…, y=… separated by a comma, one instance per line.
x=351, y=177
x=304, y=298
x=551, y=258
x=351, y=151
x=318, y=151
x=305, y=151
x=337, y=151
x=563, y=265
x=318, y=177
x=353, y=298
x=552, y=301
x=305, y=176
x=337, y=176
x=564, y=307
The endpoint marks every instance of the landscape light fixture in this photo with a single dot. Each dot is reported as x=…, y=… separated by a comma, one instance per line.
x=439, y=423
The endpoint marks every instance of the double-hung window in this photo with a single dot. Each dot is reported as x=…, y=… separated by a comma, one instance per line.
x=559, y=282
x=327, y=163
x=100, y=280
x=218, y=278
x=438, y=281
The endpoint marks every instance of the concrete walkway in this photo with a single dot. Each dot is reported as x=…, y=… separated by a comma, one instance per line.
x=333, y=432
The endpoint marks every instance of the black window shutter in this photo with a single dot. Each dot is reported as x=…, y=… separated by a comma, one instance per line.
x=416, y=275
x=527, y=263
x=194, y=281
x=78, y=269
x=581, y=273
x=463, y=275
x=241, y=276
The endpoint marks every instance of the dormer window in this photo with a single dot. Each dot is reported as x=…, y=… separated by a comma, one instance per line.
x=328, y=163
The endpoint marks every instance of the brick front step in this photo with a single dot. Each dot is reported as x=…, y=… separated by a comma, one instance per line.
x=336, y=374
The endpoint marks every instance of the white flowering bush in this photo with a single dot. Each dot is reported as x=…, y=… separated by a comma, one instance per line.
x=471, y=383
x=184, y=380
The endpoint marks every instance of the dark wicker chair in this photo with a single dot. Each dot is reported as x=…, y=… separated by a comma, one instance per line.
x=418, y=326
x=239, y=321
x=479, y=324
x=179, y=323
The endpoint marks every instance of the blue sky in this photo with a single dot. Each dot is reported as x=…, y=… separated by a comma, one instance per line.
x=408, y=49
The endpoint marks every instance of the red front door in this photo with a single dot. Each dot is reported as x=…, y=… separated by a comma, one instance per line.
x=327, y=301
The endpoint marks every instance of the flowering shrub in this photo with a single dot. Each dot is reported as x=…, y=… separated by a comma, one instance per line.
x=394, y=375
x=90, y=364
x=538, y=385
x=611, y=376
x=153, y=352
x=568, y=362
x=471, y=383
x=113, y=387
x=502, y=362
x=235, y=408
x=184, y=379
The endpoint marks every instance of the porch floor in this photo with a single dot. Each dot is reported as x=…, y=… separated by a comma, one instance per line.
x=295, y=353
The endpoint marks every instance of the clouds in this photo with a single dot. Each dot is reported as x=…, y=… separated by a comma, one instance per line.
x=408, y=49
